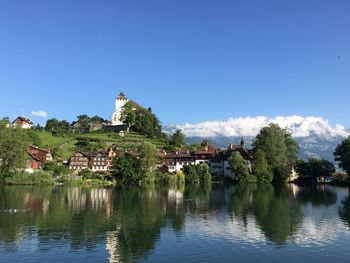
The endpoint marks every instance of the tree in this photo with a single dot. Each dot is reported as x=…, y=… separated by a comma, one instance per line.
x=147, y=124
x=239, y=166
x=292, y=147
x=82, y=124
x=5, y=121
x=128, y=115
x=342, y=155
x=279, y=148
x=191, y=174
x=14, y=144
x=205, y=175
x=57, y=127
x=197, y=173
x=261, y=168
x=314, y=169
x=127, y=169
x=96, y=119
x=204, y=143
x=148, y=158
x=178, y=138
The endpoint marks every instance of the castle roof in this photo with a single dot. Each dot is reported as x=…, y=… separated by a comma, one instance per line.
x=121, y=95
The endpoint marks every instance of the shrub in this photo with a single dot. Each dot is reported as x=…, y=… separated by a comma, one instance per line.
x=24, y=178
x=165, y=178
x=180, y=177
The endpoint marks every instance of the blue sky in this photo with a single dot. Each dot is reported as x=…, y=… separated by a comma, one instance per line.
x=190, y=61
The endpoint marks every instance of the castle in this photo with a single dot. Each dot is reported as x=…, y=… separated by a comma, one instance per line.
x=120, y=101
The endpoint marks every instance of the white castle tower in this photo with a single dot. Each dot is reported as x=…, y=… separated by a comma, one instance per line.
x=120, y=101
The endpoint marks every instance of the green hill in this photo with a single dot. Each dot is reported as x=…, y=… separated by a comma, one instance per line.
x=64, y=146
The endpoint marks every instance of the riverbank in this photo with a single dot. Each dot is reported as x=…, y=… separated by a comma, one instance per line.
x=46, y=178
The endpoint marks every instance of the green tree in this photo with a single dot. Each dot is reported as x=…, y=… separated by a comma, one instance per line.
x=292, y=148
x=178, y=139
x=191, y=174
x=127, y=169
x=205, y=173
x=239, y=166
x=57, y=127
x=5, y=121
x=314, y=169
x=86, y=174
x=14, y=144
x=342, y=155
x=261, y=168
x=279, y=148
x=82, y=124
x=96, y=119
x=147, y=124
x=128, y=115
x=148, y=157
x=56, y=169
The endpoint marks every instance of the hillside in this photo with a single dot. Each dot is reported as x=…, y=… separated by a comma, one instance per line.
x=64, y=146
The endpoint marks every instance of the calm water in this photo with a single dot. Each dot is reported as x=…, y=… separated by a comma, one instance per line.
x=192, y=224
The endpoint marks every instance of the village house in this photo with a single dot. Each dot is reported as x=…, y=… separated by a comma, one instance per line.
x=111, y=155
x=205, y=154
x=98, y=161
x=218, y=161
x=23, y=123
x=175, y=161
x=37, y=158
x=220, y=164
x=79, y=161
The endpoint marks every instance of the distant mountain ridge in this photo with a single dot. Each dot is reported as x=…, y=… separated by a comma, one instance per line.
x=315, y=136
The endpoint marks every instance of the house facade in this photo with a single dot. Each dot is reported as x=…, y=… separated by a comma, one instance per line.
x=22, y=122
x=79, y=161
x=37, y=158
x=175, y=161
x=218, y=161
x=98, y=161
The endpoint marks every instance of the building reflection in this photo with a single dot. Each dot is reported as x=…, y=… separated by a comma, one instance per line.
x=95, y=199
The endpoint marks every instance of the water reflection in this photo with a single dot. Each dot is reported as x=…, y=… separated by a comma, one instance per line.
x=129, y=222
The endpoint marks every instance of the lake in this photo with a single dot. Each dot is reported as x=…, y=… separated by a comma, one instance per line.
x=209, y=223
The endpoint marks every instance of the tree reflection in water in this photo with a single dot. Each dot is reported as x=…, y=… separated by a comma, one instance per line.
x=129, y=221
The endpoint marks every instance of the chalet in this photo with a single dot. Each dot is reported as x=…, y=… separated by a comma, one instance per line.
x=79, y=161
x=37, y=158
x=23, y=123
x=43, y=154
x=98, y=161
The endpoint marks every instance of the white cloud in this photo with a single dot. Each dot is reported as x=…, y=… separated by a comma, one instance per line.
x=250, y=126
x=40, y=113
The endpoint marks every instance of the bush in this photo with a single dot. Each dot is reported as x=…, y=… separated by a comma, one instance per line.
x=24, y=178
x=56, y=169
x=180, y=177
x=165, y=178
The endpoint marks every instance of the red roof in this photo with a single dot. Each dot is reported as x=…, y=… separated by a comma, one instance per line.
x=22, y=119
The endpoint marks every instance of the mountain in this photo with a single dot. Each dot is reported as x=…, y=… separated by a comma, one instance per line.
x=315, y=136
